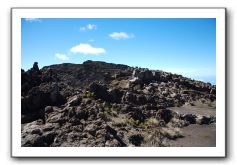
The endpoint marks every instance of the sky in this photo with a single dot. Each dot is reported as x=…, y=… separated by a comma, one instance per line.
x=185, y=46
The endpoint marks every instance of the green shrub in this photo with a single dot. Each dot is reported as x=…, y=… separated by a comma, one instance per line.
x=89, y=94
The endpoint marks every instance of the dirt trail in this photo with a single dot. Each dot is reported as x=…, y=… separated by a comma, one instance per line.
x=196, y=135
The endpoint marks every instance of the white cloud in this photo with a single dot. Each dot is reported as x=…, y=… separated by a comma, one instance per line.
x=91, y=40
x=87, y=49
x=120, y=35
x=32, y=19
x=61, y=56
x=88, y=27
x=91, y=26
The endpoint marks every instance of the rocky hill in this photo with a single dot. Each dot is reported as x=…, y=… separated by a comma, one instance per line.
x=103, y=104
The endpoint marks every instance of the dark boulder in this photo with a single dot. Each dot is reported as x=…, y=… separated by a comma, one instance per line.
x=56, y=98
x=100, y=91
x=136, y=139
x=144, y=75
x=164, y=114
x=115, y=95
x=137, y=114
x=190, y=118
x=203, y=120
x=33, y=105
x=141, y=100
x=129, y=97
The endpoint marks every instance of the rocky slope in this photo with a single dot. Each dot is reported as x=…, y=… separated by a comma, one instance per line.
x=107, y=105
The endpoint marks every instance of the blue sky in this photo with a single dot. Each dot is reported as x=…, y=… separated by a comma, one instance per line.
x=184, y=46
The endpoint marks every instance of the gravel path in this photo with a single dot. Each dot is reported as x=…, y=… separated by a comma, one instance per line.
x=196, y=136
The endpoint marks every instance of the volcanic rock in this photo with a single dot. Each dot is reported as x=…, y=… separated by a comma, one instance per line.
x=104, y=104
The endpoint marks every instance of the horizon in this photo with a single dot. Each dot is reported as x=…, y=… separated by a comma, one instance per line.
x=41, y=67
x=185, y=46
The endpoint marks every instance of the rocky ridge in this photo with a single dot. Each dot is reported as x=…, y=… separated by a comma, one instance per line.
x=107, y=105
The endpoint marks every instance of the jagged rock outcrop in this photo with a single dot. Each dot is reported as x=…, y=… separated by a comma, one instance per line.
x=104, y=104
